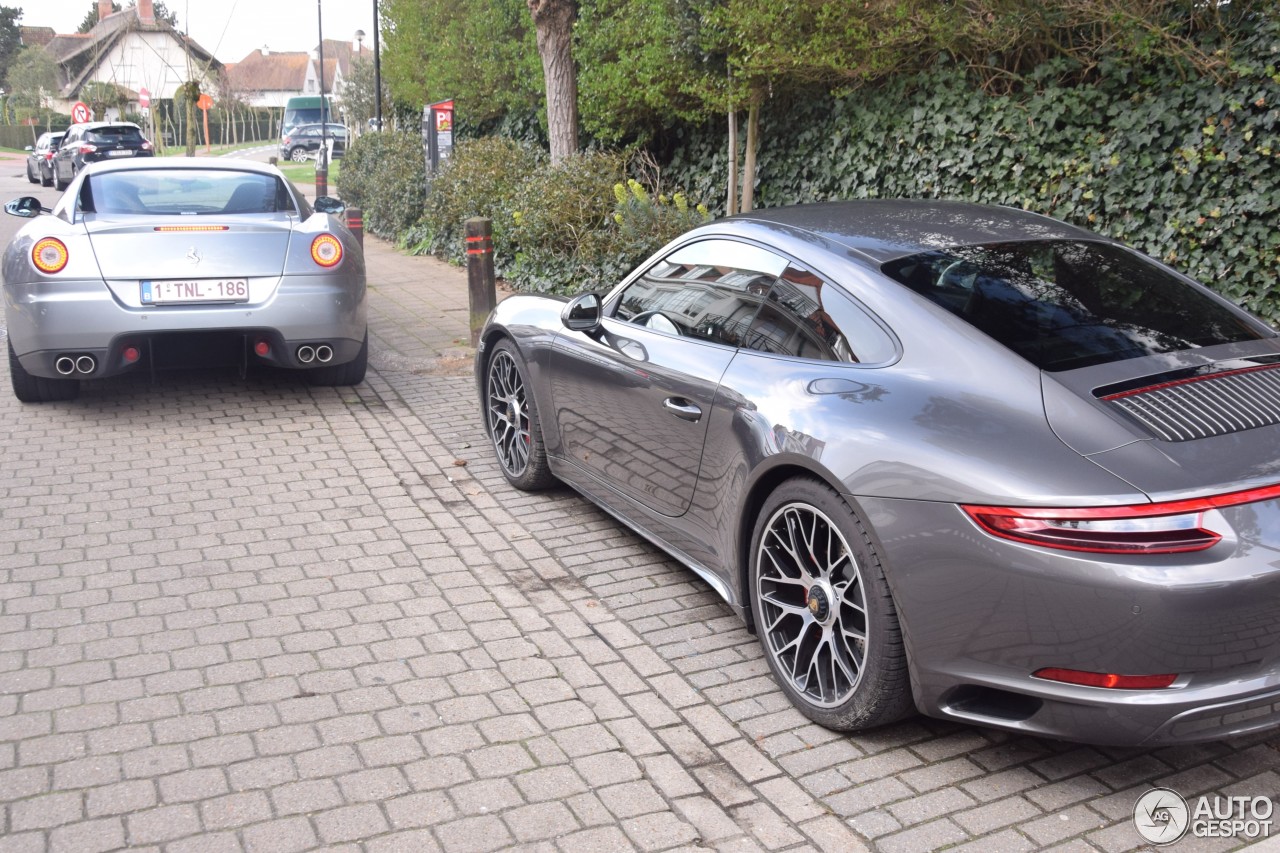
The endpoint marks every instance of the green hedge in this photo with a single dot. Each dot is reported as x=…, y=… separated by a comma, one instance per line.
x=579, y=225
x=1185, y=169
x=383, y=174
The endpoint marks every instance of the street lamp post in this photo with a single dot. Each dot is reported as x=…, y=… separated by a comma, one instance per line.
x=322, y=156
x=377, y=69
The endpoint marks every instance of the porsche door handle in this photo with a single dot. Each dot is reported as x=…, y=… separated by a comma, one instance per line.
x=682, y=408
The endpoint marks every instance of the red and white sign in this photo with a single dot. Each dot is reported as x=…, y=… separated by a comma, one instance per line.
x=79, y=112
x=144, y=97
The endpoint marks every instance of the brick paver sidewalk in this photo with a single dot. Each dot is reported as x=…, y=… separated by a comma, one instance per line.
x=246, y=614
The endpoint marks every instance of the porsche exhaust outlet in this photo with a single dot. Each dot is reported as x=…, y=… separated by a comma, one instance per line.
x=86, y=364
x=306, y=354
x=65, y=365
x=324, y=353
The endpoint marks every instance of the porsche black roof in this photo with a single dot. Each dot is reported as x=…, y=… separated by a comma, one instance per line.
x=883, y=229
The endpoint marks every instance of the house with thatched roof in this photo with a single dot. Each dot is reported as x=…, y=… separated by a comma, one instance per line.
x=131, y=50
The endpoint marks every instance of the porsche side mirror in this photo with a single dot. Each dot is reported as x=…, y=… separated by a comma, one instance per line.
x=328, y=204
x=28, y=207
x=582, y=313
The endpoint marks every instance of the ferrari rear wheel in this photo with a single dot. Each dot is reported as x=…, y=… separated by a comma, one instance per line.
x=350, y=373
x=37, y=389
x=511, y=418
x=823, y=610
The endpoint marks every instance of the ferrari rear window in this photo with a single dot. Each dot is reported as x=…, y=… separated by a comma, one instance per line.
x=186, y=192
x=1064, y=304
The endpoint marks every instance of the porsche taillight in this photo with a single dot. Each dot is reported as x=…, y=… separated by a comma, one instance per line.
x=326, y=250
x=1168, y=527
x=49, y=255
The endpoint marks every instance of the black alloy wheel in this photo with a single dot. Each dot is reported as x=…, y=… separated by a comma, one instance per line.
x=823, y=610
x=512, y=421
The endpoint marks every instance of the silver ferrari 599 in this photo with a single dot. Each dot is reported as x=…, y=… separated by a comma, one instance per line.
x=149, y=263
x=965, y=460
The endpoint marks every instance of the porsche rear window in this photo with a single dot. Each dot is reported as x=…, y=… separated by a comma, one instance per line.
x=1064, y=304
x=185, y=192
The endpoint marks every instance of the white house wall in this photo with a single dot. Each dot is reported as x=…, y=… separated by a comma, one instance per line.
x=155, y=61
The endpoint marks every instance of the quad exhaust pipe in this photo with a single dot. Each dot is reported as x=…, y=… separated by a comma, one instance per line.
x=67, y=365
x=322, y=353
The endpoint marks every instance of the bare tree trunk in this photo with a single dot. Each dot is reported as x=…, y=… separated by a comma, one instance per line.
x=731, y=201
x=192, y=138
x=749, y=167
x=553, y=21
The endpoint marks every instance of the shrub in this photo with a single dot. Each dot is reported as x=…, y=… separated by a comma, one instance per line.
x=383, y=174
x=481, y=178
x=562, y=222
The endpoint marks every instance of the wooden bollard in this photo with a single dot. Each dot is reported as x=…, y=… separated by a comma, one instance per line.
x=355, y=223
x=482, y=290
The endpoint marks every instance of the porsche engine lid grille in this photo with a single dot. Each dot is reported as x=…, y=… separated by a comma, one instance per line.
x=1205, y=406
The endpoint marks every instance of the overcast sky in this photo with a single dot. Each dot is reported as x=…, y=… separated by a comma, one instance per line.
x=228, y=28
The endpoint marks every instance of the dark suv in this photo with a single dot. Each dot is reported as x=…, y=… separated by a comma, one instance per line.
x=303, y=141
x=94, y=141
x=40, y=158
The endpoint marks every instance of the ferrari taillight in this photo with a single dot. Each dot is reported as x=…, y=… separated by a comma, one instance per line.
x=49, y=255
x=326, y=250
x=1168, y=527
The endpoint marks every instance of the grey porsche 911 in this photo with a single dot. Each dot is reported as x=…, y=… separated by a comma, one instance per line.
x=144, y=263
x=942, y=457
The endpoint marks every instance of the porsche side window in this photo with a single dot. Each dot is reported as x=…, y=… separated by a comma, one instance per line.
x=806, y=317
x=709, y=290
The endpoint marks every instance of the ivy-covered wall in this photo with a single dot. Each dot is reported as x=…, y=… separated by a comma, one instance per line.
x=1185, y=168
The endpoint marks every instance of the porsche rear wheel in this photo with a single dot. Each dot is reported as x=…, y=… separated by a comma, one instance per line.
x=823, y=610
x=37, y=389
x=511, y=417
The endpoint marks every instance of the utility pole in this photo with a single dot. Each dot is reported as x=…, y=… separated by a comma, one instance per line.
x=377, y=69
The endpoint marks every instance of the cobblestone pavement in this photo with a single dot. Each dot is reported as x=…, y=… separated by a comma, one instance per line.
x=247, y=614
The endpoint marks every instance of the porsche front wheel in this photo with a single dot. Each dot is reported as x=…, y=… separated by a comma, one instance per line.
x=823, y=610
x=511, y=418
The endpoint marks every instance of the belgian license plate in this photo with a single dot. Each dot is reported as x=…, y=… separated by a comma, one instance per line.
x=125, y=152
x=195, y=290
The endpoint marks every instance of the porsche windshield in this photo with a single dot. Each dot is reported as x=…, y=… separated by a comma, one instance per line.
x=178, y=192
x=1065, y=304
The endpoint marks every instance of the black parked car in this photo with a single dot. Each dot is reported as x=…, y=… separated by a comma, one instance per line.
x=94, y=141
x=40, y=158
x=303, y=141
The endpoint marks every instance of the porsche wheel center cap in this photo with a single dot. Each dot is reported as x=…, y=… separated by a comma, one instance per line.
x=819, y=603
